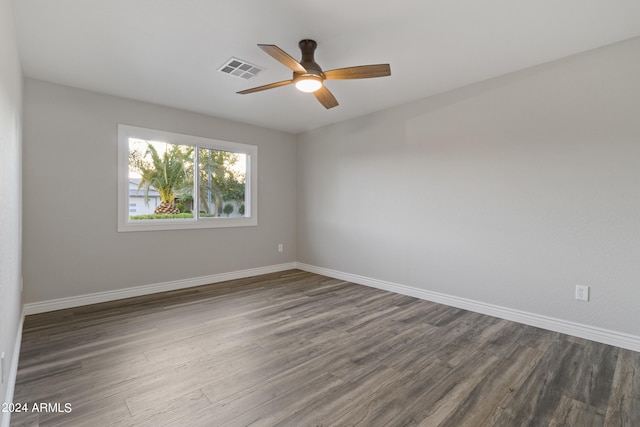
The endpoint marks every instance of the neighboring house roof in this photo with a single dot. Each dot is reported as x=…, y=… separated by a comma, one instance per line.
x=133, y=189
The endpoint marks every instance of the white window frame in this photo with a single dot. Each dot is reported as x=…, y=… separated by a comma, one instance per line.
x=251, y=191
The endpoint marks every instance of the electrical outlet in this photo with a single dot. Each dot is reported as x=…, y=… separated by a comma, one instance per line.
x=582, y=293
x=2, y=368
x=280, y=247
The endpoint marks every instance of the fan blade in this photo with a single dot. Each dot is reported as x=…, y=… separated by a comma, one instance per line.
x=326, y=98
x=283, y=57
x=360, y=72
x=265, y=87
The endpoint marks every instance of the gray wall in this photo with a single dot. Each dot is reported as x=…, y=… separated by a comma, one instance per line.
x=10, y=189
x=70, y=151
x=508, y=192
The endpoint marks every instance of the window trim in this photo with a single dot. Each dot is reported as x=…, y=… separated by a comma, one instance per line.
x=251, y=192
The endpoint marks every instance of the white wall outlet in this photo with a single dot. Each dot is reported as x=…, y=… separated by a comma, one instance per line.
x=280, y=247
x=2, y=368
x=582, y=293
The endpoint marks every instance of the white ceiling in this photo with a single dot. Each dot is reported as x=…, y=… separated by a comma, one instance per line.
x=167, y=51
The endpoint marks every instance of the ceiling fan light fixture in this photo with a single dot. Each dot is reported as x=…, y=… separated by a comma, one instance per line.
x=308, y=83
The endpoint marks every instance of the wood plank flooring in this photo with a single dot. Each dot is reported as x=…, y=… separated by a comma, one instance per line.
x=299, y=349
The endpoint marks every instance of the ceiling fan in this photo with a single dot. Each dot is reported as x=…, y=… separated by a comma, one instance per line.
x=309, y=77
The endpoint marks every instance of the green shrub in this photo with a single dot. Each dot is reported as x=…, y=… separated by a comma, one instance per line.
x=162, y=216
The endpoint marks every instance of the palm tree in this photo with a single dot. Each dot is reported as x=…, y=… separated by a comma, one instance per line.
x=171, y=174
x=211, y=169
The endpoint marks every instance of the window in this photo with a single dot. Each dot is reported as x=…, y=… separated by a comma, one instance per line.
x=169, y=181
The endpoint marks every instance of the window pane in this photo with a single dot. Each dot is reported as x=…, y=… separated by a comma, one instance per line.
x=160, y=181
x=222, y=183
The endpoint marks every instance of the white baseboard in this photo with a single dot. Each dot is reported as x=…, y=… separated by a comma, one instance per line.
x=605, y=336
x=76, y=301
x=13, y=372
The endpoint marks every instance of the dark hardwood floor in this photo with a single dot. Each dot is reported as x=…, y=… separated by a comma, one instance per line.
x=298, y=349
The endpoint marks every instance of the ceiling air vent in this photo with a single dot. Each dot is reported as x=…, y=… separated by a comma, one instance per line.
x=240, y=68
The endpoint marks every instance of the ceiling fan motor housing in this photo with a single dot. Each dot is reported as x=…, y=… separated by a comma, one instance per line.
x=308, y=47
